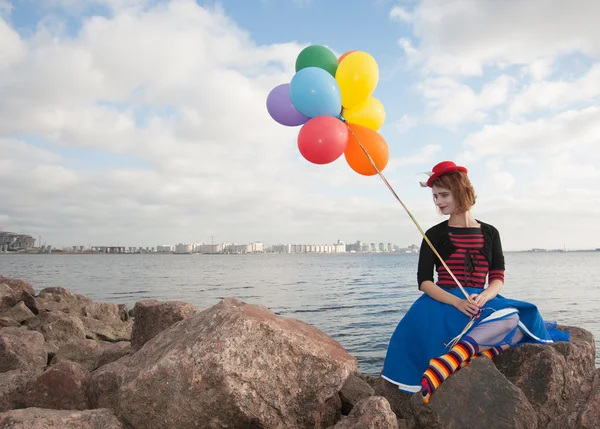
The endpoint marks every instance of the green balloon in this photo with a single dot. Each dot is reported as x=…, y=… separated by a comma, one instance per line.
x=317, y=56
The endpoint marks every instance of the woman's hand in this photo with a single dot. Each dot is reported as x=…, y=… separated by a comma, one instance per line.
x=466, y=307
x=478, y=299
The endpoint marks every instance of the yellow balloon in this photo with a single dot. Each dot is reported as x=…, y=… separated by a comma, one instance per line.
x=370, y=113
x=357, y=76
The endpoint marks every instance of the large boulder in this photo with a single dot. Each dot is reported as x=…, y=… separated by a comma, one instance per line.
x=61, y=387
x=17, y=313
x=113, y=352
x=58, y=328
x=56, y=299
x=152, y=317
x=22, y=349
x=17, y=285
x=37, y=418
x=354, y=390
x=61, y=299
x=586, y=413
x=12, y=388
x=86, y=353
x=104, y=311
x=91, y=354
x=232, y=365
x=112, y=332
x=370, y=413
x=399, y=401
x=10, y=296
x=477, y=396
x=551, y=375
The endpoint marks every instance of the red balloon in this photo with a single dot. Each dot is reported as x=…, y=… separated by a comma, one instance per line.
x=323, y=139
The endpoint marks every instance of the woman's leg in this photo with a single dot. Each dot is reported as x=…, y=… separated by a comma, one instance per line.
x=491, y=337
x=503, y=333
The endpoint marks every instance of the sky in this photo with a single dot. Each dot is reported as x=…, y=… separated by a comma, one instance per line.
x=143, y=122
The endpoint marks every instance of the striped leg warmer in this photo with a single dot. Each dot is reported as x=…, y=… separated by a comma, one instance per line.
x=442, y=367
x=490, y=353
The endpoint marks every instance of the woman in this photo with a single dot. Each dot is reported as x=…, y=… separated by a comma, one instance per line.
x=418, y=358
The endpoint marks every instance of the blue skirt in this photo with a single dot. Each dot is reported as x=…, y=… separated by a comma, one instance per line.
x=430, y=325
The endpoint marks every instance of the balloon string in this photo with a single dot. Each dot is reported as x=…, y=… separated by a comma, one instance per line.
x=409, y=213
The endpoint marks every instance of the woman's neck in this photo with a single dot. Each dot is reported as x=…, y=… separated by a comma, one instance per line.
x=463, y=220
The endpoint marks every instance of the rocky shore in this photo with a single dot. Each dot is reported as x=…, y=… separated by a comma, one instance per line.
x=67, y=362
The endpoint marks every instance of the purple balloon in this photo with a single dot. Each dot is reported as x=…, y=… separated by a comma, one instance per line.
x=281, y=109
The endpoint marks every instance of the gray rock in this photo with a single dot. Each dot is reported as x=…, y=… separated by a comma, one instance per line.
x=551, y=375
x=113, y=352
x=353, y=391
x=152, y=317
x=232, y=365
x=61, y=387
x=371, y=413
x=36, y=418
x=476, y=396
x=21, y=349
x=12, y=388
x=57, y=327
x=19, y=313
x=86, y=353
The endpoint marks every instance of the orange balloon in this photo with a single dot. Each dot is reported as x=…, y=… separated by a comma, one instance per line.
x=373, y=143
x=344, y=56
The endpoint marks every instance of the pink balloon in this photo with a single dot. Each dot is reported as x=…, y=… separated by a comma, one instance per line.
x=323, y=139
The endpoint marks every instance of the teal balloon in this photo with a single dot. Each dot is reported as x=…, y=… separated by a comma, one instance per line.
x=317, y=56
x=314, y=92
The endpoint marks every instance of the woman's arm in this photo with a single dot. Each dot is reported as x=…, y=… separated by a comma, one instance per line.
x=488, y=294
x=439, y=294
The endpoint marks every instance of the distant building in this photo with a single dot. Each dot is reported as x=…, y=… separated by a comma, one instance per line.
x=256, y=247
x=12, y=241
x=209, y=248
x=182, y=248
x=281, y=248
x=165, y=248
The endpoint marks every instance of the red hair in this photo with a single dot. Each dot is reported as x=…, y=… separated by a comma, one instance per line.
x=460, y=186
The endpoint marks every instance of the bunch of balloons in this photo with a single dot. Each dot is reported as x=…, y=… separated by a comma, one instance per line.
x=331, y=98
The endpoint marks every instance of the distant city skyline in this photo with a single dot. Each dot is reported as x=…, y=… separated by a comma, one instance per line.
x=14, y=241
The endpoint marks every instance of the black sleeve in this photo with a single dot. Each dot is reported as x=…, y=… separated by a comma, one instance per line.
x=426, y=262
x=497, y=254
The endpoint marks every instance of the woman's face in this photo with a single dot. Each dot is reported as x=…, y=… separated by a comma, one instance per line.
x=443, y=199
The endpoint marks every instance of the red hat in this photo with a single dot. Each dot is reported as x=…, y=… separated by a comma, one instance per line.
x=443, y=168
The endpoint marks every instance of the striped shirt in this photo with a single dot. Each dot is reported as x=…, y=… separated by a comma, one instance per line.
x=467, y=263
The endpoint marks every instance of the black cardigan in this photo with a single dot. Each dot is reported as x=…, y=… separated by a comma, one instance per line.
x=438, y=235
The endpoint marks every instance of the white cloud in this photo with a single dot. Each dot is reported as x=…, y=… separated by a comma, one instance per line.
x=577, y=132
x=400, y=14
x=412, y=54
x=501, y=181
x=463, y=36
x=11, y=47
x=453, y=103
x=425, y=156
x=559, y=94
x=405, y=123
